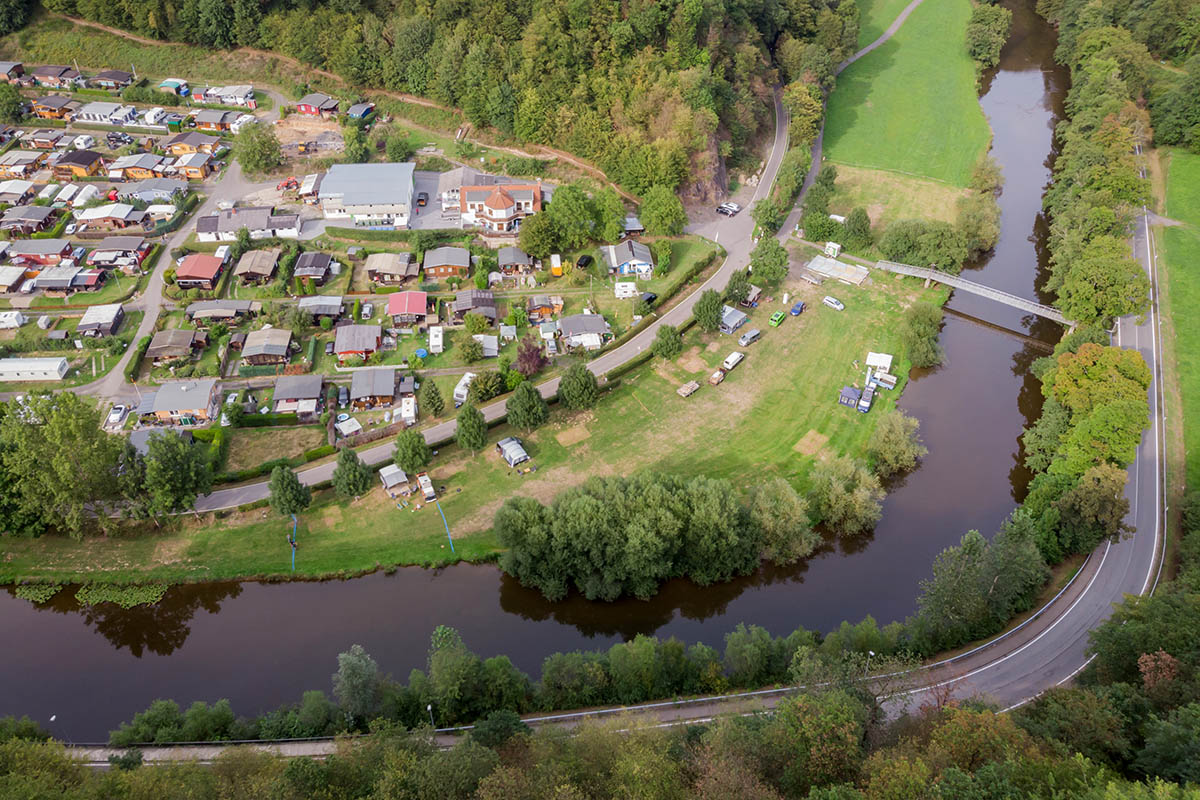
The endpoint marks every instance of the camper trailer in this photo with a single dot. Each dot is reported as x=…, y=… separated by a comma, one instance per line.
x=463, y=389
x=426, y=487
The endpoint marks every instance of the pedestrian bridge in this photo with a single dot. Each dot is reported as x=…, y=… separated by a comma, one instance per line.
x=958, y=282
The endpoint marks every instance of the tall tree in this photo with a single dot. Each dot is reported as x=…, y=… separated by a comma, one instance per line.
x=11, y=103
x=527, y=408
x=412, y=452
x=531, y=358
x=176, y=473
x=662, y=212
x=287, y=494
x=257, y=148
x=351, y=477
x=610, y=214
x=356, y=683
x=578, y=389
x=667, y=343
x=846, y=495
x=431, y=398
x=471, y=430
x=769, y=261
x=782, y=517
x=708, y=310
x=895, y=446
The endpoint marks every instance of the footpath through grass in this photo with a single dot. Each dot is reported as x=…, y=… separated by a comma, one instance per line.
x=874, y=16
x=773, y=416
x=911, y=106
x=1182, y=250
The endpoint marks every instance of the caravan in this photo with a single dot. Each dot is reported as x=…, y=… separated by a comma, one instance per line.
x=463, y=389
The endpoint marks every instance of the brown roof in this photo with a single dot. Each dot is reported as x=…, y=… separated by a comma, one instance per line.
x=199, y=266
x=258, y=262
x=499, y=199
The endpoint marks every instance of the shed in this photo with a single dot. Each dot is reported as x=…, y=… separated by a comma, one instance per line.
x=732, y=319
x=490, y=344
x=880, y=362
x=348, y=427
x=102, y=320
x=267, y=346
x=849, y=397
x=371, y=387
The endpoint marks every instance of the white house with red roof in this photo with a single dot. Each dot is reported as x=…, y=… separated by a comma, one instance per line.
x=408, y=308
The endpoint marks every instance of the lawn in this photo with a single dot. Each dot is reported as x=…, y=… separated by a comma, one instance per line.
x=911, y=106
x=774, y=415
x=1182, y=246
x=85, y=365
x=116, y=289
x=874, y=16
x=889, y=196
x=249, y=447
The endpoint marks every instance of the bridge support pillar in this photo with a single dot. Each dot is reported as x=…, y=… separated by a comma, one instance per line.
x=928, y=282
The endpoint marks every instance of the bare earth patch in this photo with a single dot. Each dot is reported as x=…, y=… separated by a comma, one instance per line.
x=572, y=435
x=691, y=361
x=713, y=347
x=810, y=443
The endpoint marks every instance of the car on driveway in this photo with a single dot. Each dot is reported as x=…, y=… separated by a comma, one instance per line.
x=798, y=309
x=584, y=261
x=422, y=198
x=777, y=319
x=343, y=396
x=749, y=337
x=729, y=209
x=834, y=303
x=116, y=416
x=329, y=348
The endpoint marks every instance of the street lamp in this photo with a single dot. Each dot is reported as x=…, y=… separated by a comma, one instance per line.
x=868, y=669
x=429, y=708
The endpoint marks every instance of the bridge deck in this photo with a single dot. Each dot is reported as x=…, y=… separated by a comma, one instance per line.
x=965, y=285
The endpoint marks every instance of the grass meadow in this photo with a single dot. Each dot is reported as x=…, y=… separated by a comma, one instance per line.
x=874, y=16
x=774, y=415
x=1182, y=250
x=911, y=106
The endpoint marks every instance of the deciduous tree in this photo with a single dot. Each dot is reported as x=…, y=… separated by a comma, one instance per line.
x=257, y=148
x=578, y=388
x=527, y=408
x=356, y=683
x=662, y=212
x=412, y=453
x=769, y=261
x=176, y=473
x=782, y=517
x=667, y=342
x=846, y=495
x=895, y=446
x=531, y=358
x=708, y=310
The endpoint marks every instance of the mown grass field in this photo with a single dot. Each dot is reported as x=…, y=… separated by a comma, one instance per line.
x=911, y=105
x=1182, y=251
x=874, y=16
x=890, y=196
x=774, y=415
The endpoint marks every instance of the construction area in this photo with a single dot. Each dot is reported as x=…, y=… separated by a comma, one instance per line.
x=301, y=136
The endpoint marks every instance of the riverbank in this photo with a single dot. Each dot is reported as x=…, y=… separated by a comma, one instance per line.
x=774, y=416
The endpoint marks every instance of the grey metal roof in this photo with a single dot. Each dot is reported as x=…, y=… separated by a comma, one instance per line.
x=298, y=387
x=513, y=255
x=312, y=265
x=625, y=252
x=392, y=264
x=319, y=100
x=369, y=184
x=103, y=316
x=184, y=395
x=254, y=218
x=578, y=324
x=318, y=304
x=357, y=338
x=448, y=256
x=373, y=383
x=27, y=214
x=121, y=243
x=267, y=342
x=171, y=343
x=153, y=187
x=37, y=247
x=208, y=308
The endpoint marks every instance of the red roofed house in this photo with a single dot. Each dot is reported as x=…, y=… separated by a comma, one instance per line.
x=199, y=271
x=407, y=308
x=499, y=208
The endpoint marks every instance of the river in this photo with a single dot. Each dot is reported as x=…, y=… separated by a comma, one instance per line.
x=260, y=645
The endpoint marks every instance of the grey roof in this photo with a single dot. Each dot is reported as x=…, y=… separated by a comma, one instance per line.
x=171, y=343
x=392, y=475
x=633, y=224
x=53, y=101
x=448, y=256
x=267, y=342
x=136, y=160
x=121, y=243
x=234, y=219
x=392, y=264
x=318, y=304
x=140, y=439
x=357, y=338
x=258, y=262
x=298, y=387
x=480, y=300
x=113, y=75
x=153, y=187
x=57, y=277
x=731, y=317
x=177, y=395
x=373, y=383
x=103, y=316
x=194, y=138
x=407, y=385
x=577, y=324
x=318, y=99
x=490, y=344
x=79, y=158
x=369, y=184
x=359, y=109
x=626, y=251
x=216, y=116
x=513, y=255
x=27, y=214
x=312, y=264
x=37, y=247
x=512, y=450
x=212, y=308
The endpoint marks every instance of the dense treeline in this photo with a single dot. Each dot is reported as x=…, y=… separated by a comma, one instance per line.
x=656, y=93
x=1097, y=191
x=1130, y=730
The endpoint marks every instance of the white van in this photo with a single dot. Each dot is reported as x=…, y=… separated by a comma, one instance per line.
x=732, y=360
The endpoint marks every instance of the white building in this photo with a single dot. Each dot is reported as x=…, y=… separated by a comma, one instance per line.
x=372, y=195
x=32, y=369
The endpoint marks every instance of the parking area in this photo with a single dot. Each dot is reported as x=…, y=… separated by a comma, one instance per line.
x=430, y=216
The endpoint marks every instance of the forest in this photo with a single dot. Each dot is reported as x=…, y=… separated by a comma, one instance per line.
x=655, y=93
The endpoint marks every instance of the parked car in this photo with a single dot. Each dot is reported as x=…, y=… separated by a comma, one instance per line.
x=729, y=209
x=329, y=348
x=343, y=396
x=368, y=311
x=732, y=360
x=716, y=377
x=777, y=319
x=834, y=303
x=116, y=416
x=749, y=337
x=649, y=297
x=70, y=229
x=422, y=198
x=584, y=261
x=798, y=309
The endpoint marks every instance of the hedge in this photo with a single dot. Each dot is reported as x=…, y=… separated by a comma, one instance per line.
x=135, y=361
x=266, y=467
x=54, y=232
x=362, y=234
x=218, y=439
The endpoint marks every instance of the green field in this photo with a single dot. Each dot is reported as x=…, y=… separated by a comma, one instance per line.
x=874, y=16
x=911, y=105
x=1182, y=246
x=773, y=416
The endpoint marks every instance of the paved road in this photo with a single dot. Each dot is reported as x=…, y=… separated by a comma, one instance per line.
x=734, y=234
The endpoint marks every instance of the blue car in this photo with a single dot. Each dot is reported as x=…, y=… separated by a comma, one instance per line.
x=798, y=309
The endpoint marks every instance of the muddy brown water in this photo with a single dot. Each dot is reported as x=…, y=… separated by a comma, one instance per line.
x=260, y=645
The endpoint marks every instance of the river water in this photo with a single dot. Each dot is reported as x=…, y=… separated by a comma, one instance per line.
x=260, y=645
